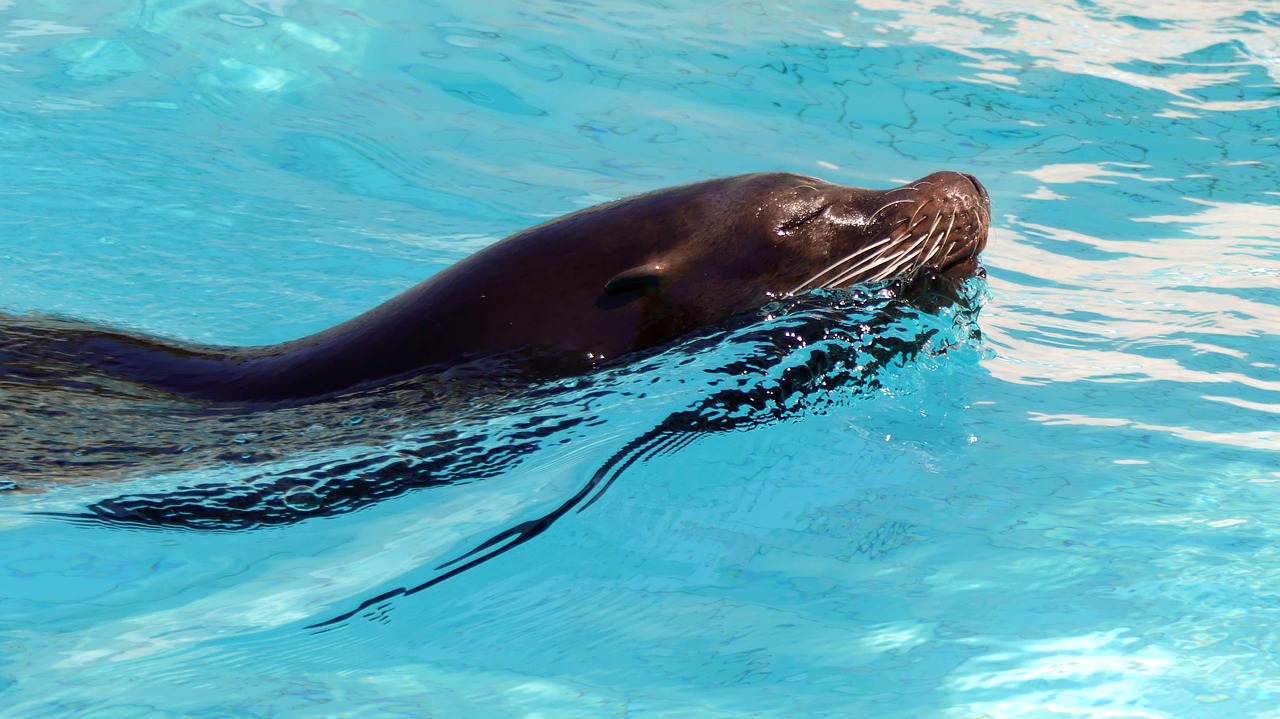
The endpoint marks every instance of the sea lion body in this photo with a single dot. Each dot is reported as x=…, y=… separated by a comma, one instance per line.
x=586, y=289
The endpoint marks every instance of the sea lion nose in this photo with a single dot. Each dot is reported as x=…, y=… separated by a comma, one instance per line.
x=982, y=190
x=959, y=187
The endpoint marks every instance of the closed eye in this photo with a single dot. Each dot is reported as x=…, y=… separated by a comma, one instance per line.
x=791, y=225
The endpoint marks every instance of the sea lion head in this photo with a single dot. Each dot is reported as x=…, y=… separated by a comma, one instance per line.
x=732, y=245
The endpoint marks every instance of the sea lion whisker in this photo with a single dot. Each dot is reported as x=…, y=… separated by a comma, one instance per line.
x=843, y=260
x=945, y=240
x=850, y=272
x=937, y=249
x=804, y=285
x=911, y=224
x=914, y=251
x=894, y=261
x=920, y=185
x=937, y=218
x=885, y=207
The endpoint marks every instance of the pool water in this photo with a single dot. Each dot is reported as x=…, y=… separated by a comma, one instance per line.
x=1071, y=517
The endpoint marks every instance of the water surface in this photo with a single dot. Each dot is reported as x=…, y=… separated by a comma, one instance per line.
x=1072, y=519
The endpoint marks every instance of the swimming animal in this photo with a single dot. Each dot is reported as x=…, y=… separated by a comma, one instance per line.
x=593, y=289
x=580, y=292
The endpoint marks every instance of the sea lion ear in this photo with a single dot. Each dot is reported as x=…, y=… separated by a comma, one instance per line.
x=637, y=279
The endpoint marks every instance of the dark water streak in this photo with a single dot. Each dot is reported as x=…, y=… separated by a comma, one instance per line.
x=804, y=355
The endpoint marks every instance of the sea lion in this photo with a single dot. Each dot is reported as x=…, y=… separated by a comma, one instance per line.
x=587, y=289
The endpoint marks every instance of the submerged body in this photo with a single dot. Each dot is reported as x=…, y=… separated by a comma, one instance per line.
x=577, y=292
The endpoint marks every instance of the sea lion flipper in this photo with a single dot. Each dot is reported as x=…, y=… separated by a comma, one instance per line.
x=637, y=279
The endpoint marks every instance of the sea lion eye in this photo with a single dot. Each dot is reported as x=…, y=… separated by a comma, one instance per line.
x=800, y=213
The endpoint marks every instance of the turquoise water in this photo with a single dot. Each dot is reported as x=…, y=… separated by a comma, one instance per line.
x=1072, y=518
